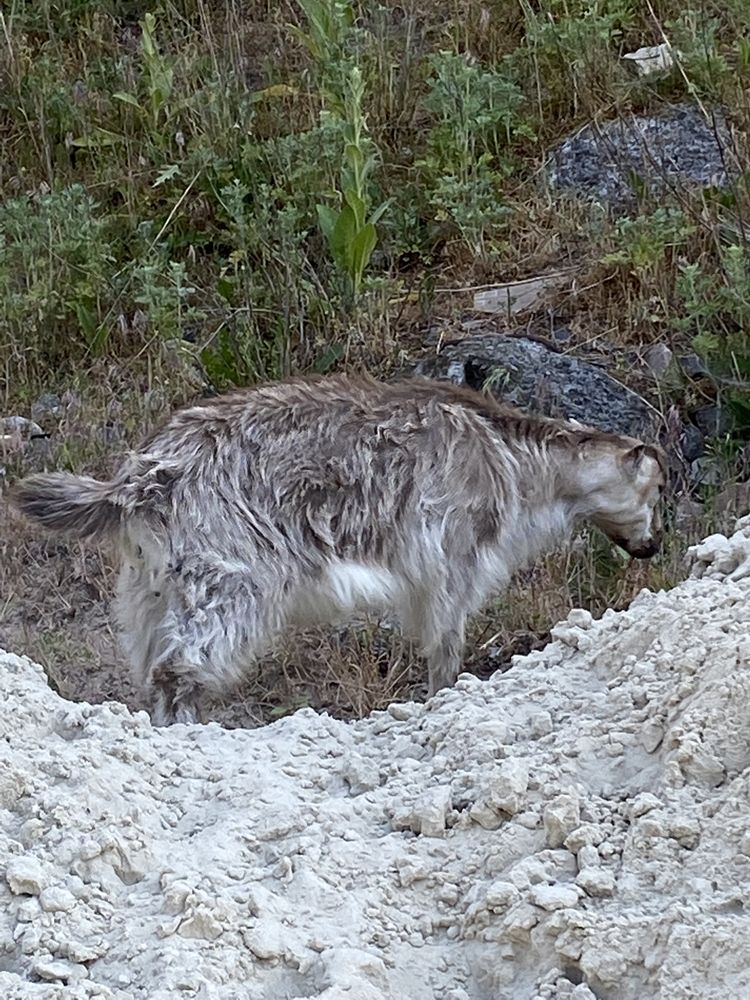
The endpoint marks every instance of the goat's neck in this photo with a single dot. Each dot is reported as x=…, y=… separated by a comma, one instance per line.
x=543, y=528
x=545, y=516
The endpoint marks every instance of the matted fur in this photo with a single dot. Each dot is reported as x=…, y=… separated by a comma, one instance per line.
x=305, y=501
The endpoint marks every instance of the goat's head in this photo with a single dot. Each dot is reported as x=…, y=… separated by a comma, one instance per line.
x=619, y=482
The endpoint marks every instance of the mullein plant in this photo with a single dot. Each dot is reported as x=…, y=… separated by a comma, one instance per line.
x=349, y=225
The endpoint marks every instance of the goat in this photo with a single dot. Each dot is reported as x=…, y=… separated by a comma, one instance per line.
x=312, y=499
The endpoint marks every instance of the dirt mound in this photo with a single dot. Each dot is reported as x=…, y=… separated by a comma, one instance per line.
x=574, y=828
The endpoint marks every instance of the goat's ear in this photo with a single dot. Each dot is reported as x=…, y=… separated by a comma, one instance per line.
x=586, y=447
x=633, y=458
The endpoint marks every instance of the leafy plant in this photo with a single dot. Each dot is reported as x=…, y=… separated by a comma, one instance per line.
x=716, y=305
x=158, y=76
x=349, y=231
x=695, y=36
x=645, y=240
x=568, y=53
x=55, y=263
x=161, y=286
x=478, y=114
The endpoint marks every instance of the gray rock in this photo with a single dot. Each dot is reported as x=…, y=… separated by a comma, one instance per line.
x=456, y=372
x=19, y=435
x=688, y=514
x=554, y=897
x=734, y=497
x=21, y=427
x=708, y=471
x=561, y=816
x=658, y=360
x=713, y=421
x=48, y=408
x=677, y=148
x=25, y=876
x=692, y=442
x=693, y=366
x=562, y=335
x=529, y=375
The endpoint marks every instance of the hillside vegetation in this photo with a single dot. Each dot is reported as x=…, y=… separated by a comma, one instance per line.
x=180, y=169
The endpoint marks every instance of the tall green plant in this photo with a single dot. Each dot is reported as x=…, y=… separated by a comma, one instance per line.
x=349, y=231
x=328, y=40
x=477, y=113
x=158, y=76
x=349, y=227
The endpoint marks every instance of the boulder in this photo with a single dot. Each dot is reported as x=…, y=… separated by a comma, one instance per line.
x=530, y=375
x=678, y=148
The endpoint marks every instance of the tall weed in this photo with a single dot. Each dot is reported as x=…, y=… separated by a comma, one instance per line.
x=348, y=225
x=157, y=78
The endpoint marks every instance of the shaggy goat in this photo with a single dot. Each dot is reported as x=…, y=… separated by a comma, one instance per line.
x=308, y=500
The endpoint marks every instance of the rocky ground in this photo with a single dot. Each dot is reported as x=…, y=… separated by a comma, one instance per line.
x=573, y=828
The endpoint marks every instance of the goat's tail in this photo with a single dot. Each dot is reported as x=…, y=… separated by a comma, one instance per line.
x=74, y=505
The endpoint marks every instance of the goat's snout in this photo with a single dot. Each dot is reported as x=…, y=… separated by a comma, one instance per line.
x=641, y=550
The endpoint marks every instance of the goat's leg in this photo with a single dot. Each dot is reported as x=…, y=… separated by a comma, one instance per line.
x=185, y=647
x=193, y=668
x=147, y=633
x=210, y=660
x=439, y=628
x=176, y=694
x=444, y=658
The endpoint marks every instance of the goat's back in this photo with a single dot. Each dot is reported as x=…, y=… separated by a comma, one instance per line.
x=336, y=464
